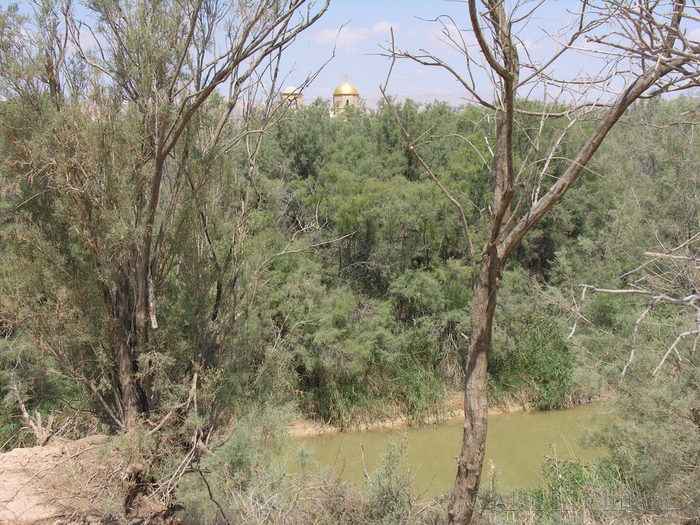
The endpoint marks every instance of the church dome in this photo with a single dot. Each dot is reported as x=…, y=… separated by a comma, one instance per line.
x=290, y=90
x=346, y=89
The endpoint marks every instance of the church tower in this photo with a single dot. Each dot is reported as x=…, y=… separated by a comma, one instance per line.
x=292, y=96
x=345, y=95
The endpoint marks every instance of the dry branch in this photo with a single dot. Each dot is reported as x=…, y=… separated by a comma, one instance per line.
x=41, y=433
x=656, y=298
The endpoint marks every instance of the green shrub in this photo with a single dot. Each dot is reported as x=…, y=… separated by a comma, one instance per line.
x=389, y=489
x=540, y=361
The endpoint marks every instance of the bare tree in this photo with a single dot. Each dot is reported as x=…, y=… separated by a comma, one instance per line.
x=641, y=50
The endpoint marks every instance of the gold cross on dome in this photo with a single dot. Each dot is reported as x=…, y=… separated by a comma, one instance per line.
x=346, y=78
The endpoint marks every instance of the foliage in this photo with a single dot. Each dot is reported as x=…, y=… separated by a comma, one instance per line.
x=389, y=491
x=539, y=360
x=376, y=316
x=315, y=266
x=244, y=483
x=653, y=441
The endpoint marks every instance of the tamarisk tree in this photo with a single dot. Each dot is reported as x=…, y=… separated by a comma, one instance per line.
x=118, y=138
x=641, y=50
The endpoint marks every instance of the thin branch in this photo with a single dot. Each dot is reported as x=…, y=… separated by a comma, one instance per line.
x=634, y=337
x=657, y=298
x=411, y=147
x=41, y=433
x=682, y=336
x=578, y=312
x=286, y=251
x=667, y=256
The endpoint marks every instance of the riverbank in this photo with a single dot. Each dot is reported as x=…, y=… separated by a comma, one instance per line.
x=452, y=408
x=74, y=481
x=302, y=426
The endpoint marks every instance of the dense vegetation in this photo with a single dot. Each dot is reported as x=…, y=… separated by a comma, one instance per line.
x=372, y=321
x=315, y=268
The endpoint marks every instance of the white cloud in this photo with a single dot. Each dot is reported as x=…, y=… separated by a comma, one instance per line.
x=384, y=28
x=448, y=36
x=347, y=38
x=535, y=49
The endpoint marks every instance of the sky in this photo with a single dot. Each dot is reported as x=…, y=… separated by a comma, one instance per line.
x=360, y=28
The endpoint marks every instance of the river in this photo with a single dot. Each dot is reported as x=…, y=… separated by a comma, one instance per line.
x=516, y=446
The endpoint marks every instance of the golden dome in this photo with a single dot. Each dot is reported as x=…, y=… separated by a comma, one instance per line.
x=346, y=89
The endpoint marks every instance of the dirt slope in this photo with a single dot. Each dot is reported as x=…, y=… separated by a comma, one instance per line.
x=69, y=482
x=38, y=484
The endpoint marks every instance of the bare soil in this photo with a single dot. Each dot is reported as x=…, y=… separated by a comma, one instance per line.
x=452, y=408
x=67, y=482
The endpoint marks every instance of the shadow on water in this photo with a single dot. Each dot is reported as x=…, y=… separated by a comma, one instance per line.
x=516, y=446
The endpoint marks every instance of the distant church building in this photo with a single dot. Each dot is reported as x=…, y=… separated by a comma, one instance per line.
x=345, y=95
x=292, y=96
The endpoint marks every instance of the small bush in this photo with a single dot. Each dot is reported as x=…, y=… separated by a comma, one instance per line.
x=389, y=490
x=540, y=361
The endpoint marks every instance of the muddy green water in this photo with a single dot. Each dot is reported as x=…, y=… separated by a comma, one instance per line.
x=516, y=446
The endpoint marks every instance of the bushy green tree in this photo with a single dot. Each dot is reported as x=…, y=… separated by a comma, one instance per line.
x=122, y=176
x=654, y=442
x=135, y=240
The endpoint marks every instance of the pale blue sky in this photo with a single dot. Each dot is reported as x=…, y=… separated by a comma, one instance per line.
x=367, y=26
